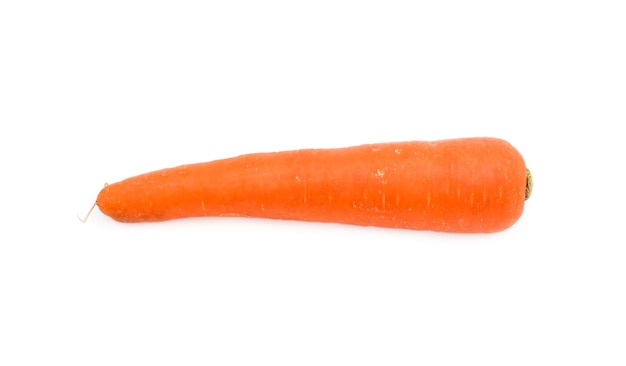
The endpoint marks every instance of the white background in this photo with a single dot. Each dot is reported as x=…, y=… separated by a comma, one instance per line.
x=94, y=92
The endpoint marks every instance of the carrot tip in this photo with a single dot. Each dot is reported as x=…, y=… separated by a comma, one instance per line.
x=529, y=184
x=83, y=220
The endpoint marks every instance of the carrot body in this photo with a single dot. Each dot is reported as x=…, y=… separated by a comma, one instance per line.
x=458, y=185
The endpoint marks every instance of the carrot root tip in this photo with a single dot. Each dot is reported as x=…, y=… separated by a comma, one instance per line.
x=84, y=220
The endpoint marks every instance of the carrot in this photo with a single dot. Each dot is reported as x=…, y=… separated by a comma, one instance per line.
x=470, y=185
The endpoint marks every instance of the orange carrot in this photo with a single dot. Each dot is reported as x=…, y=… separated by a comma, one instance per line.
x=460, y=185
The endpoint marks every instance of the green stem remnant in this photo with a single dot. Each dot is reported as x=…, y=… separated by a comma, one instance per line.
x=529, y=184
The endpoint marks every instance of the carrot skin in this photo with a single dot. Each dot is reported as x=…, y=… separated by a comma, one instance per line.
x=470, y=185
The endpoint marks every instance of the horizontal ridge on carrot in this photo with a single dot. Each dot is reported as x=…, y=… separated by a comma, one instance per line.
x=466, y=185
